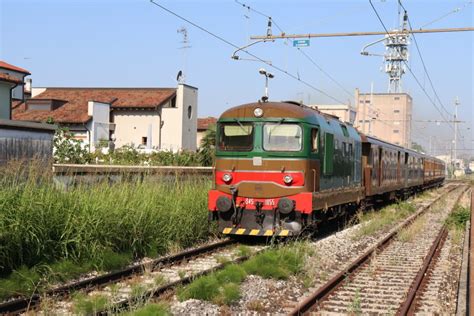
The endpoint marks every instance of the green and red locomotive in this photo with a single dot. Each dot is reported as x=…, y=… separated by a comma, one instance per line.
x=282, y=167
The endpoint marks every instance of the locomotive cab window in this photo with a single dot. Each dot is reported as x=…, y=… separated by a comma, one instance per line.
x=236, y=137
x=282, y=137
x=314, y=140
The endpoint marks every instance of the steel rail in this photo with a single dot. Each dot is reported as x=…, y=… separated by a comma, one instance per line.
x=409, y=306
x=22, y=304
x=125, y=304
x=329, y=287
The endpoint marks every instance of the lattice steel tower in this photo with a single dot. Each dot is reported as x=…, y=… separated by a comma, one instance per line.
x=396, y=55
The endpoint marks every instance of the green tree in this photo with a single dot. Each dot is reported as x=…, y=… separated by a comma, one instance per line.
x=208, y=147
x=67, y=149
x=417, y=147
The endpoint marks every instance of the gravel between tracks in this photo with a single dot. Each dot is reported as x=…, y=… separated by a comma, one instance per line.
x=278, y=297
x=381, y=286
x=440, y=294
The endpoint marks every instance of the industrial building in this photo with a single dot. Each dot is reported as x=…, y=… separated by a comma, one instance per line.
x=387, y=116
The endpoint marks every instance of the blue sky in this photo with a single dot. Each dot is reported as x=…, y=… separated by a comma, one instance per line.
x=132, y=43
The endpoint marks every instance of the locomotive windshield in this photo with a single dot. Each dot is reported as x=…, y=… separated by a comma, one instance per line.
x=282, y=137
x=236, y=136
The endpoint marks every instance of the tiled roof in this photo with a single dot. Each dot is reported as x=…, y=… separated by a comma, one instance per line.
x=74, y=110
x=204, y=123
x=8, y=78
x=14, y=68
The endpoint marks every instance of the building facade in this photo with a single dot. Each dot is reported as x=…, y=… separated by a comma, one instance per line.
x=11, y=87
x=387, y=116
x=145, y=118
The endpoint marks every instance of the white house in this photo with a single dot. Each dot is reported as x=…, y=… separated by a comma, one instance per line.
x=11, y=87
x=153, y=118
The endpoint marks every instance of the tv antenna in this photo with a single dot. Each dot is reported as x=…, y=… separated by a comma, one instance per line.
x=185, y=46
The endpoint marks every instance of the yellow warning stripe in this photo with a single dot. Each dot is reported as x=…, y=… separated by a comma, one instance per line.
x=254, y=232
x=240, y=231
x=268, y=232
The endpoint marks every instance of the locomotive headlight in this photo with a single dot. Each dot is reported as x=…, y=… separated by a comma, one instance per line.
x=227, y=177
x=288, y=179
x=258, y=112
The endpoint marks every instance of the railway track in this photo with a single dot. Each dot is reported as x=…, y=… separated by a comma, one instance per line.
x=391, y=276
x=23, y=304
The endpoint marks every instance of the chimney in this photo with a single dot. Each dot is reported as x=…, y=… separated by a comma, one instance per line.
x=27, y=88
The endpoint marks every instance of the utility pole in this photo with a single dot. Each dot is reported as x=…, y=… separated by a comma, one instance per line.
x=456, y=103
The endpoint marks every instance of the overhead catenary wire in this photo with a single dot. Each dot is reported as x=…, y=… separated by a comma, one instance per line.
x=299, y=49
x=220, y=38
x=455, y=10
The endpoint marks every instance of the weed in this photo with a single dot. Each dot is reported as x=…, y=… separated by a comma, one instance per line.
x=203, y=288
x=222, y=259
x=151, y=310
x=89, y=305
x=23, y=281
x=409, y=233
x=88, y=227
x=256, y=305
x=458, y=218
x=355, y=307
x=232, y=273
x=243, y=251
x=159, y=280
x=222, y=287
x=277, y=264
x=374, y=221
x=138, y=292
x=181, y=274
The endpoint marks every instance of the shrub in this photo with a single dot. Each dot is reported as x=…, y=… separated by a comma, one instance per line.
x=458, y=218
x=69, y=150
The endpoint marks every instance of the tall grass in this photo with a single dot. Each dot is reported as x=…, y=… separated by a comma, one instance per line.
x=40, y=223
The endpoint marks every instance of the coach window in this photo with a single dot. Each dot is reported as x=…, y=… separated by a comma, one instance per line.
x=282, y=137
x=236, y=136
x=314, y=140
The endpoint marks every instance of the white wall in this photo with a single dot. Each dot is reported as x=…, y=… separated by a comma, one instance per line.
x=132, y=125
x=179, y=131
x=36, y=91
x=100, y=113
x=17, y=92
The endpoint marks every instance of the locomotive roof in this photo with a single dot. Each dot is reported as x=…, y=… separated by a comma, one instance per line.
x=270, y=110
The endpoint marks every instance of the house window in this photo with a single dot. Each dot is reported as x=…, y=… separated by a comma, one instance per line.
x=367, y=101
x=190, y=112
x=396, y=111
x=396, y=98
x=39, y=107
x=144, y=140
x=396, y=131
x=173, y=102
